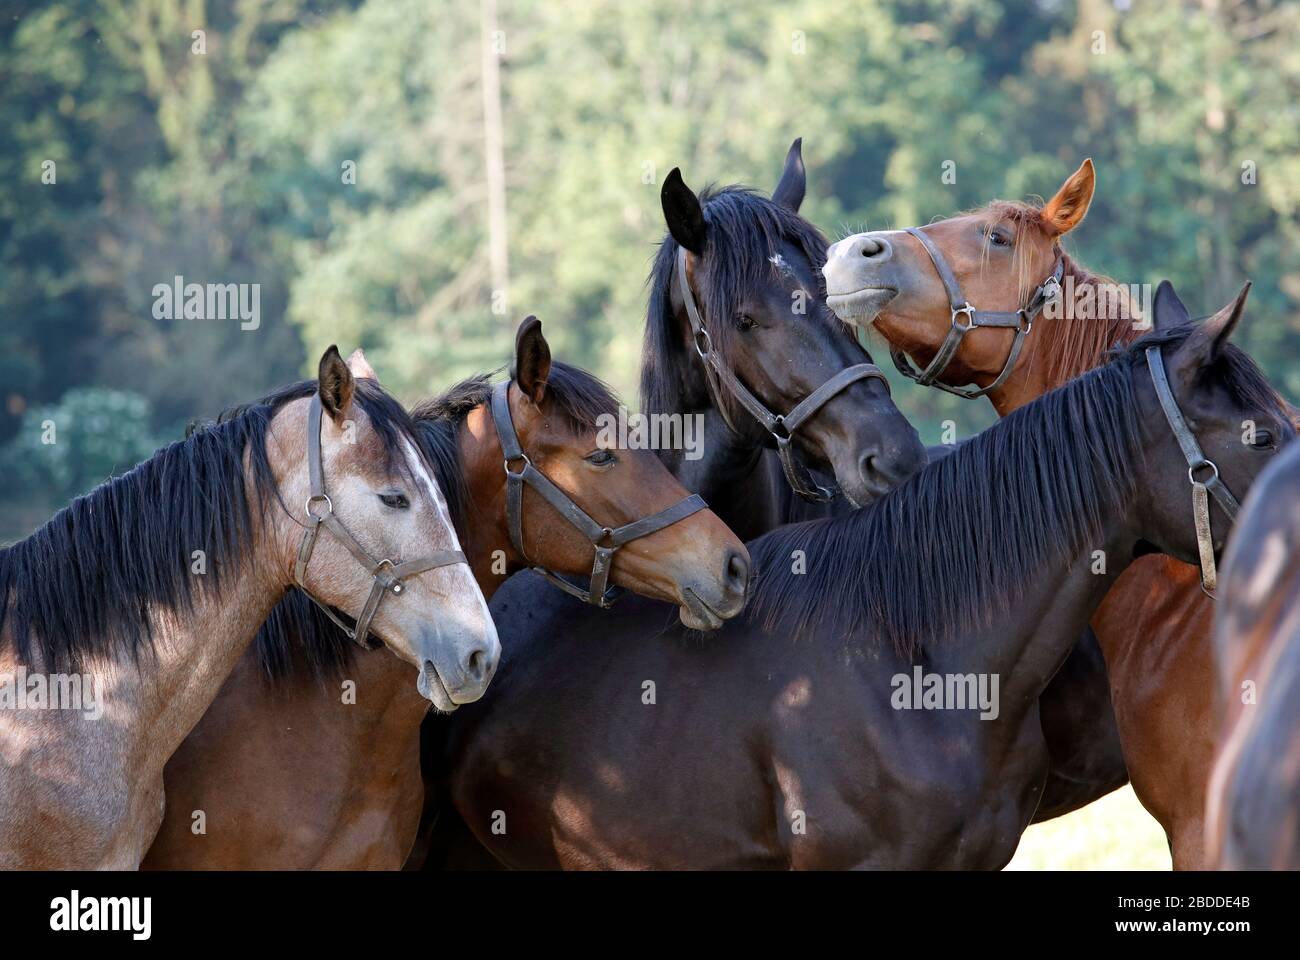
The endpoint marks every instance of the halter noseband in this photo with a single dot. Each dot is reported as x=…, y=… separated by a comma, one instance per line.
x=604, y=540
x=1021, y=320
x=388, y=575
x=1196, y=461
x=781, y=427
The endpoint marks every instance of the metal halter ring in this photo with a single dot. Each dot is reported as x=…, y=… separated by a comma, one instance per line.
x=329, y=505
x=970, y=317
x=521, y=456
x=1191, y=471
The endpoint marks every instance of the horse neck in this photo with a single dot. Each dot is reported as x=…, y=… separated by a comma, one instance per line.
x=1025, y=650
x=193, y=653
x=734, y=478
x=1062, y=346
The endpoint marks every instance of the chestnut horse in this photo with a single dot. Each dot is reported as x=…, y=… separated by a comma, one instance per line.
x=292, y=772
x=146, y=592
x=1253, y=813
x=1154, y=626
x=783, y=741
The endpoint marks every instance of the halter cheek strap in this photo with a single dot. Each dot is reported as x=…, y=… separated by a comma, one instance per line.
x=966, y=318
x=1197, y=462
x=604, y=540
x=781, y=427
x=389, y=576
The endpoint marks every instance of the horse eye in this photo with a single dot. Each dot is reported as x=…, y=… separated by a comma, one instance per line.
x=998, y=238
x=601, y=458
x=397, y=501
x=745, y=321
x=1263, y=439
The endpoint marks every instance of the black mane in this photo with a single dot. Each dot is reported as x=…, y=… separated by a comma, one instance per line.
x=745, y=230
x=88, y=581
x=957, y=543
x=298, y=635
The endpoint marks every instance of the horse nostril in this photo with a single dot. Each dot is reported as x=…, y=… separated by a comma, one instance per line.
x=476, y=667
x=869, y=468
x=737, y=572
x=872, y=248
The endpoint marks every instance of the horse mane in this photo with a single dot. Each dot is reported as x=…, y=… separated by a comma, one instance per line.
x=943, y=552
x=1066, y=347
x=89, y=580
x=745, y=230
x=298, y=638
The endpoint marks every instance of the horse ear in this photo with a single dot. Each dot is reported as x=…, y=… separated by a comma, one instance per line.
x=532, y=366
x=683, y=212
x=794, y=179
x=336, y=385
x=1216, y=330
x=360, y=366
x=1167, y=311
x=1202, y=348
x=1066, y=210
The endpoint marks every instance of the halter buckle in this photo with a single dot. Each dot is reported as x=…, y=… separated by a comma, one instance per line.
x=1050, y=290
x=329, y=506
x=969, y=311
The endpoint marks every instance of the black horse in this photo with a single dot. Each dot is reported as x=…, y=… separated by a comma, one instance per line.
x=877, y=706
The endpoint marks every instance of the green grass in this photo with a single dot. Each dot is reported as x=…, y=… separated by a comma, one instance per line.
x=1115, y=833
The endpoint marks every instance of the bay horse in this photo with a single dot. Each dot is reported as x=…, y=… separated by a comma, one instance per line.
x=148, y=590
x=1154, y=696
x=292, y=774
x=1253, y=808
x=783, y=742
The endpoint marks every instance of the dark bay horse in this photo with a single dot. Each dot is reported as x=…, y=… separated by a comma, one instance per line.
x=143, y=594
x=1252, y=818
x=754, y=276
x=1154, y=626
x=804, y=734
x=290, y=772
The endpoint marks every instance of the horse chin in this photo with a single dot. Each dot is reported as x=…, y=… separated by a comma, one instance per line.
x=695, y=614
x=861, y=307
x=430, y=686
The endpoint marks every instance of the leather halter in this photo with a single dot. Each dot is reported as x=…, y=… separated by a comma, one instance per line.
x=1022, y=321
x=1197, y=461
x=388, y=575
x=780, y=426
x=604, y=540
